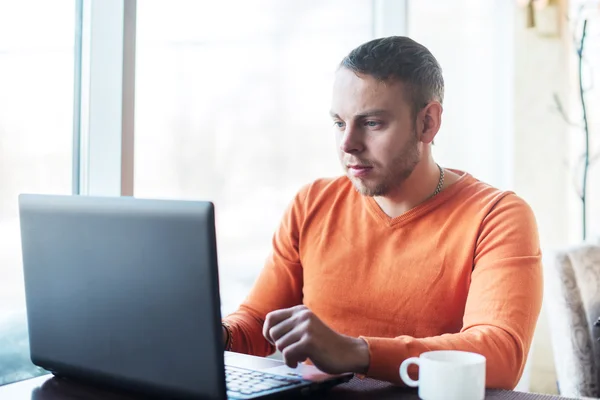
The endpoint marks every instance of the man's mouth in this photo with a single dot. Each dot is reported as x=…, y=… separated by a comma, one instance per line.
x=359, y=170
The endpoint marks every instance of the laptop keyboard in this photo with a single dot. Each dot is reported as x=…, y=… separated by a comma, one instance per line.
x=248, y=383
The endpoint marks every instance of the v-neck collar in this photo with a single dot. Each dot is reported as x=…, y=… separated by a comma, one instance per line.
x=420, y=209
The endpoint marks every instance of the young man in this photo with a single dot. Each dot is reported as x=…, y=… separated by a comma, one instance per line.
x=400, y=256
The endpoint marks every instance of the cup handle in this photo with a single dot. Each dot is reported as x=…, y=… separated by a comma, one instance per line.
x=404, y=371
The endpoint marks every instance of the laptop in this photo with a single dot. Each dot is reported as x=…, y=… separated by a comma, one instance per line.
x=124, y=292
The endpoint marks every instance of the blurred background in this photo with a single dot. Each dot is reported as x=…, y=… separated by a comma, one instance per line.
x=232, y=101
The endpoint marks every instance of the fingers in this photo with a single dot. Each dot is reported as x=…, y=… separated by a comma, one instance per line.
x=295, y=334
x=281, y=329
x=295, y=353
x=274, y=318
x=299, y=335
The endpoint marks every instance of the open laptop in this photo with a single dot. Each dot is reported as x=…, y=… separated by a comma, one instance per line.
x=124, y=292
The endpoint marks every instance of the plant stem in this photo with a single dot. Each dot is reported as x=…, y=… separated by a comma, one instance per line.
x=586, y=164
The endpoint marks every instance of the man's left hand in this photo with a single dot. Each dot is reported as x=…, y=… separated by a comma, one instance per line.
x=299, y=334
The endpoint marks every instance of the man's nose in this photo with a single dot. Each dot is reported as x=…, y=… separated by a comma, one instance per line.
x=351, y=141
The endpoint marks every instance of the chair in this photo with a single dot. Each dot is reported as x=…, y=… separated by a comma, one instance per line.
x=572, y=296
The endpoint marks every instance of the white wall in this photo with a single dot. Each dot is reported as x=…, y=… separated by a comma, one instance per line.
x=472, y=40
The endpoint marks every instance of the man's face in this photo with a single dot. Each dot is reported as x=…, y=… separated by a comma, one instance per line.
x=375, y=132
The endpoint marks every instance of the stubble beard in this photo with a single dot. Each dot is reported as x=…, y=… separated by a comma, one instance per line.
x=394, y=176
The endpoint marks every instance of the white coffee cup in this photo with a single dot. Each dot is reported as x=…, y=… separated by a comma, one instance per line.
x=447, y=375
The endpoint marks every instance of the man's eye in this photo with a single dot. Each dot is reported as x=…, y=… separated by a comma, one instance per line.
x=339, y=124
x=372, y=124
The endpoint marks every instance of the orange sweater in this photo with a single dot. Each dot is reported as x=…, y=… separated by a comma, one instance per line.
x=460, y=271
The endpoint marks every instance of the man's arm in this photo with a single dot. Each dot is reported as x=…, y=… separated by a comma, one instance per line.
x=502, y=308
x=278, y=286
x=503, y=304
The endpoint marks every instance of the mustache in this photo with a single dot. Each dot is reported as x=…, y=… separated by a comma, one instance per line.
x=359, y=163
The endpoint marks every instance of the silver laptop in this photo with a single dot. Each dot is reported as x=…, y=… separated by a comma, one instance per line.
x=125, y=292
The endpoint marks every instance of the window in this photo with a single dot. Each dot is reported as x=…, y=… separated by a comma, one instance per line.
x=36, y=140
x=233, y=107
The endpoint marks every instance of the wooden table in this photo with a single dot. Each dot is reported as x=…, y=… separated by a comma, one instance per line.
x=49, y=388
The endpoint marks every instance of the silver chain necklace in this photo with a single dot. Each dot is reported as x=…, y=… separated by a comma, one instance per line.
x=438, y=189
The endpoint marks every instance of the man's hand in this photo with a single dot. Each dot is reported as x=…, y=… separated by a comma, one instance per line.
x=299, y=334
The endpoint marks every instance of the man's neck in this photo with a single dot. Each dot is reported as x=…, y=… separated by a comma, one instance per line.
x=416, y=189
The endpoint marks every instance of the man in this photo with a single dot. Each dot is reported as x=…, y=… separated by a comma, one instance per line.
x=401, y=256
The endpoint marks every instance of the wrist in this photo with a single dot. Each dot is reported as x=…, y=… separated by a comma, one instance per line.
x=227, y=336
x=360, y=357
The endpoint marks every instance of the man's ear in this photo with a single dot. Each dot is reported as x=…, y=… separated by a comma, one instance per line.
x=429, y=121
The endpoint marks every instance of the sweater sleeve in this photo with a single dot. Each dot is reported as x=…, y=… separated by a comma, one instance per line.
x=503, y=303
x=278, y=286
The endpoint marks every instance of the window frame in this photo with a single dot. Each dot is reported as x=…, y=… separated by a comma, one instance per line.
x=103, y=134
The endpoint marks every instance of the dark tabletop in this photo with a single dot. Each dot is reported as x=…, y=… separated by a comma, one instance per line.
x=50, y=388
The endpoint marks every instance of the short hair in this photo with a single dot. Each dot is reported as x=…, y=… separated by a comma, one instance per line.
x=400, y=58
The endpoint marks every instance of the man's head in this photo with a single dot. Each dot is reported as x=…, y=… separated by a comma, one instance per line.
x=387, y=110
